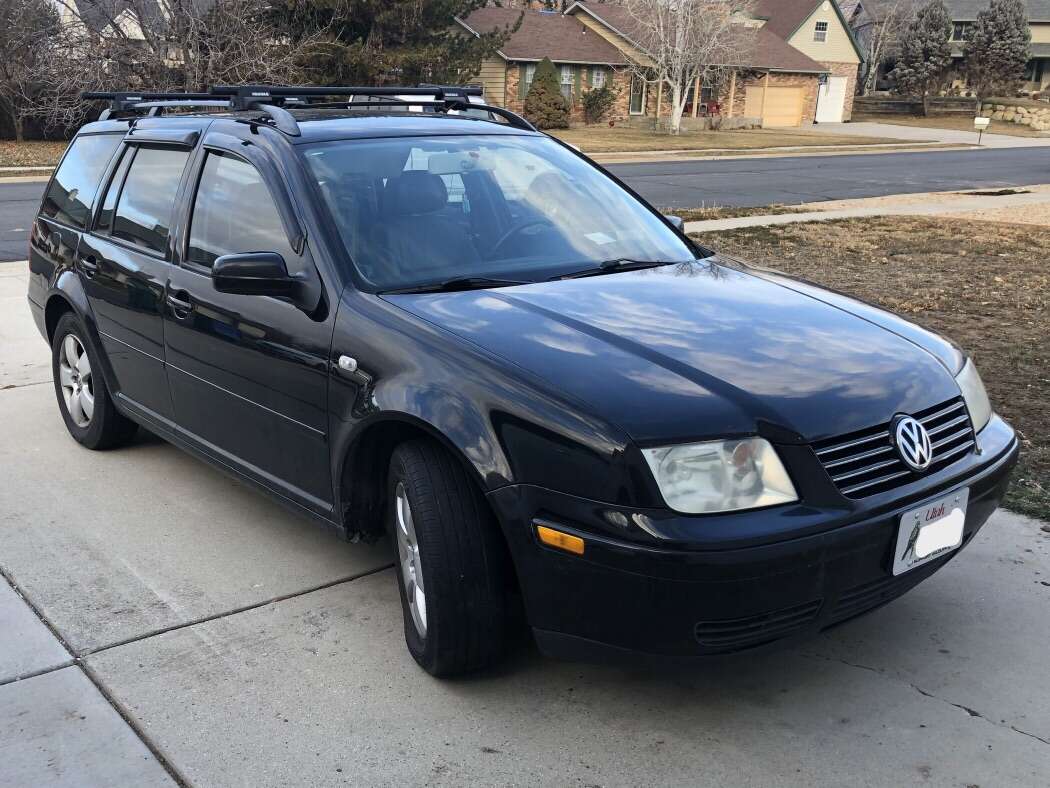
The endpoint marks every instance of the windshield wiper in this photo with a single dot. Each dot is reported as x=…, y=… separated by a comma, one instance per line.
x=458, y=283
x=614, y=266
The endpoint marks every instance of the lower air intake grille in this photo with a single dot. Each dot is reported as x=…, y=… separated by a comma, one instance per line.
x=739, y=633
x=865, y=463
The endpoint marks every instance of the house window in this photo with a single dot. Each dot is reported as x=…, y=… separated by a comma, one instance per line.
x=961, y=31
x=530, y=72
x=566, y=81
x=597, y=77
x=638, y=93
x=1034, y=71
x=820, y=32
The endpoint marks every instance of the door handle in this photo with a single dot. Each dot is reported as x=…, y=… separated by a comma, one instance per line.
x=89, y=264
x=180, y=304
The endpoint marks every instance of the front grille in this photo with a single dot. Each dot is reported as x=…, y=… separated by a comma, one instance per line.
x=865, y=463
x=740, y=633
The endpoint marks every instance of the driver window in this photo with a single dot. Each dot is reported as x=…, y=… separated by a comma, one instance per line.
x=234, y=213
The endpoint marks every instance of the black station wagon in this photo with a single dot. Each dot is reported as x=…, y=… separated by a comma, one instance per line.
x=404, y=317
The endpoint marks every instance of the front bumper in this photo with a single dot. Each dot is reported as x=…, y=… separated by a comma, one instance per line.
x=625, y=600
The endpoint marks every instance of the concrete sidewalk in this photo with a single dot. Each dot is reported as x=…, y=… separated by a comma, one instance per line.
x=161, y=624
x=953, y=204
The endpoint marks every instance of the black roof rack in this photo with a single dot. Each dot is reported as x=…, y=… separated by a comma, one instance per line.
x=273, y=100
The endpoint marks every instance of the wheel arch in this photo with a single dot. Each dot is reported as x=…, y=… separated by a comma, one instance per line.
x=365, y=462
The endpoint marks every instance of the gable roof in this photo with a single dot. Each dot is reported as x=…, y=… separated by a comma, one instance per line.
x=564, y=39
x=765, y=51
x=967, y=10
x=785, y=17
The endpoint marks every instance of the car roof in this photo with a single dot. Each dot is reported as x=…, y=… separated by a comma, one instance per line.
x=323, y=125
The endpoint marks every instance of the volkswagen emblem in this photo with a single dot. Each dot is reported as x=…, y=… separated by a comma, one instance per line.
x=913, y=443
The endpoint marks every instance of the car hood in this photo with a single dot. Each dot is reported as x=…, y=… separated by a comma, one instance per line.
x=701, y=350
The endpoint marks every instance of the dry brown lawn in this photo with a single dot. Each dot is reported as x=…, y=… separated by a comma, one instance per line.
x=30, y=154
x=713, y=212
x=602, y=139
x=953, y=122
x=984, y=284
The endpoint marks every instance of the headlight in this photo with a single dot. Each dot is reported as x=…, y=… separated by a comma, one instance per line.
x=720, y=476
x=975, y=396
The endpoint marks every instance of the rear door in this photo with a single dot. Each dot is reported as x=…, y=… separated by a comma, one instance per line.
x=124, y=261
x=248, y=373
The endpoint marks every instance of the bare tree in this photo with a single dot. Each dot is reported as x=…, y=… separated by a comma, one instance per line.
x=880, y=33
x=687, y=40
x=42, y=70
x=190, y=44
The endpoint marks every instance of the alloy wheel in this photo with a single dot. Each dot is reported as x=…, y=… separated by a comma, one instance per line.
x=408, y=556
x=74, y=372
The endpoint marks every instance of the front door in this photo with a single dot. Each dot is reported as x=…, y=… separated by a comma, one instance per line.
x=831, y=101
x=124, y=263
x=248, y=374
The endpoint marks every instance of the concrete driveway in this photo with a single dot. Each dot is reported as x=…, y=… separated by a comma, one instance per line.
x=160, y=625
x=920, y=134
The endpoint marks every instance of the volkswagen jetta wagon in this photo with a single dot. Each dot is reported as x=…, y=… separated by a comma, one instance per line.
x=455, y=330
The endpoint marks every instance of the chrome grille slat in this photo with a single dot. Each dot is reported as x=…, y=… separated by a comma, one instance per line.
x=945, y=441
x=851, y=444
x=873, y=482
x=934, y=416
x=859, y=466
x=948, y=425
x=865, y=470
x=857, y=457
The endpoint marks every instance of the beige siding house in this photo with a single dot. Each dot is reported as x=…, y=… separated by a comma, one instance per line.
x=786, y=80
x=964, y=14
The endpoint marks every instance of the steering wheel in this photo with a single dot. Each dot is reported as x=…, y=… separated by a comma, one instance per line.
x=516, y=230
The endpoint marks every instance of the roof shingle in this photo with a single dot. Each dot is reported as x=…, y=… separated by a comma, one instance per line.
x=564, y=39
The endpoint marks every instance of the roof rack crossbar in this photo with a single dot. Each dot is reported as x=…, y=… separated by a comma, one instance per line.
x=273, y=100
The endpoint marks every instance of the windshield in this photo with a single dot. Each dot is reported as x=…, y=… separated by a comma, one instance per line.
x=414, y=211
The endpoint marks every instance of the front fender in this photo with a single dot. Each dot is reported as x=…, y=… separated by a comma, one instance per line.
x=506, y=427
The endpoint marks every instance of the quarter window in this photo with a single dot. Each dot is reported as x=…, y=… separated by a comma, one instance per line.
x=147, y=201
x=109, y=203
x=72, y=191
x=820, y=32
x=234, y=213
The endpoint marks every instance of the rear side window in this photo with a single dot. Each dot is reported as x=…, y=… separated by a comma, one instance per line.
x=72, y=191
x=234, y=213
x=147, y=201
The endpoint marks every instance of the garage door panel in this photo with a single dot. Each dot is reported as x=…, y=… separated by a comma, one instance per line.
x=782, y=106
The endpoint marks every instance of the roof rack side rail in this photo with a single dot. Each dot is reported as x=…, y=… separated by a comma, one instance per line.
x=264, y=92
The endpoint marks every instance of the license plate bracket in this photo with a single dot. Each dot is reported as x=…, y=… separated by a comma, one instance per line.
x=930, y=531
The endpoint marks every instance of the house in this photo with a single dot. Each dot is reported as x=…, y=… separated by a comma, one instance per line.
x=801, y=64
x=1037, y=76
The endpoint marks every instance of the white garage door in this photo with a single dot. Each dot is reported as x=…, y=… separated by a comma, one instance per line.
x=831, y=103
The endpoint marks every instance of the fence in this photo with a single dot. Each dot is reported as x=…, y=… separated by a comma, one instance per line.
x=898, y=105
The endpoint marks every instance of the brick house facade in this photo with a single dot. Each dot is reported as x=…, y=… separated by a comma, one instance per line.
x=782, y=83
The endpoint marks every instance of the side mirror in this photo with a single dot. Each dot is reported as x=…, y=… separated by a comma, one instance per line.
x=676, y=221
x=253, y=273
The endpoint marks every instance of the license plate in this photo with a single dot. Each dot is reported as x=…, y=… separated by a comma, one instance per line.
x=930, y=531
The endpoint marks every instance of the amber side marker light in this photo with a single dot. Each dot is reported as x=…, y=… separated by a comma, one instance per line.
x=562, y=541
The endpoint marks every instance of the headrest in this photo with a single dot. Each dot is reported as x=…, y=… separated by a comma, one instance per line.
x=415, y=192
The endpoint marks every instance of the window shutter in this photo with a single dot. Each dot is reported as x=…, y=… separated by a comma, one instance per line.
x=579, y=79
x=521, y=80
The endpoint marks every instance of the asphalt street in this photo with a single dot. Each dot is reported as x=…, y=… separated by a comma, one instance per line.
x=735, y=182
x=162, y=625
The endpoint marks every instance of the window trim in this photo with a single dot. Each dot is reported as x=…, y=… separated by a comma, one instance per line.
x=820, y=34
x=111, y=173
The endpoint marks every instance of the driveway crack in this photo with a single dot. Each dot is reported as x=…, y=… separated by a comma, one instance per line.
x=925, y=693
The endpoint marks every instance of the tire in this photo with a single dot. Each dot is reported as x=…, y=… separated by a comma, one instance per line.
x=460, y=556
x=83, y=398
